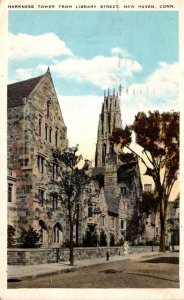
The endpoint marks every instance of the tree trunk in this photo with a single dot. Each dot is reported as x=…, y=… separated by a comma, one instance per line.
x=77, y=226
x=71, y=245
x=163, y=229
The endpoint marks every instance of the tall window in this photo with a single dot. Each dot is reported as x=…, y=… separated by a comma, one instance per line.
x=10, y=192
x=111, y=150
x=40, y=163
x=56, y=234
x=55, y=171
x=123, y=190
x=46, y=132
x=90, y=210
x=48, y=109
x=122, y=224
x=112, y=222
x=54, y=199
x=102, y=220
x=56, y=137
x=103, y=154
x=40, y=125
x=41, y=196
x=43, y=231
x=50, y=135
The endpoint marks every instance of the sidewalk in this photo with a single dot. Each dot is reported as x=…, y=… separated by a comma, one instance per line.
x=16, y=272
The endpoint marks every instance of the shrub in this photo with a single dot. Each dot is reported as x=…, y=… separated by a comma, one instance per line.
x=120, y=242
x=66, y=244
x=29, y=238
x=90, y=239
x=11, y=239
x=112, y=240
x=103, y=239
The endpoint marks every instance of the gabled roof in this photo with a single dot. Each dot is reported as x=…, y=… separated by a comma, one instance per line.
x=16, y=91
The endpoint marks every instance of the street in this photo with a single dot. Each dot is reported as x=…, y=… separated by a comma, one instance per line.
x=159, y=272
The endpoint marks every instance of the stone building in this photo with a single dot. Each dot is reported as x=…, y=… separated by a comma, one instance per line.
x=35, y=127
x=118, y=187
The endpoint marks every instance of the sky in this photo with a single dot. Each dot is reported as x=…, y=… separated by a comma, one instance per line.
x=91, y=51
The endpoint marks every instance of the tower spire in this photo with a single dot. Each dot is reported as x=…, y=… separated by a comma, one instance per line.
x=120, y=88
x=109, y=119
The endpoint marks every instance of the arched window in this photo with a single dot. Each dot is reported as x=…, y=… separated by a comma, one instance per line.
x=103, y=154
x=57, y=233
x=48, y=109
x=43, y=232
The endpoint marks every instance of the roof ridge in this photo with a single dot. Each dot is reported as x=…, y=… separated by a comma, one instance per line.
x=24, y=81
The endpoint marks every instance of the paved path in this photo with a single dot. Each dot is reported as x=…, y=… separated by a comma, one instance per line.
x=16, y=272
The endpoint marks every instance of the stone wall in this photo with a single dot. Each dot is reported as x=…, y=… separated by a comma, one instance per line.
x=43, y=256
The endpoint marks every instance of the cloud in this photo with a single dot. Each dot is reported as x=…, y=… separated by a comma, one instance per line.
x=23, y=74
x=23, y=46
x=158, y=92
x=102, y=71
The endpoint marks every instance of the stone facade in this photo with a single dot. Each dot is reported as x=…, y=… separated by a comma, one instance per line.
x=35, y=127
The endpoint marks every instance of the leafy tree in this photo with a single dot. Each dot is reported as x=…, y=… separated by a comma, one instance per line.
x=103, y=238
x=149, y=203
x=135, y=226
x=29, y=238
x=72, y=182
x=158, y=135
x=11, y=239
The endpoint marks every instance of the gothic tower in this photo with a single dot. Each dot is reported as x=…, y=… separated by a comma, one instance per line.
x=109, y=119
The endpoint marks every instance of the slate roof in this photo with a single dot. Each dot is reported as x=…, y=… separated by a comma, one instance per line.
x=112, y=203
x=16, y=91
